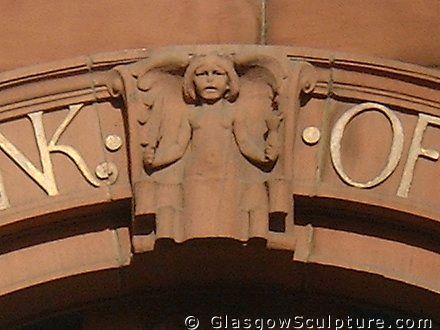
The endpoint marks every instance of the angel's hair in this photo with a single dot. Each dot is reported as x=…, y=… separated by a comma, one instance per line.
x=189, y=88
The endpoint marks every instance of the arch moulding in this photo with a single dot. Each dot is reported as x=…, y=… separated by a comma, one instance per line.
x=114, y=162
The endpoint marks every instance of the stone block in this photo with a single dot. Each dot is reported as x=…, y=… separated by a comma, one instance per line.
x=41, y=31
x=403, y=30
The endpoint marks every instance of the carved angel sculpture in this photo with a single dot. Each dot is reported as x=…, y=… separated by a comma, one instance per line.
x=209, y=137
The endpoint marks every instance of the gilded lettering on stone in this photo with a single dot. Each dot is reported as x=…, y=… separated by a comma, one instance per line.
x=71, y=152
x=416, y=150
x=4, y=200
x=396, y=147
x=46, y=178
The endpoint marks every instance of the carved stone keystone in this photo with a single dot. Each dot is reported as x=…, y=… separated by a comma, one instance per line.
x=211, y=142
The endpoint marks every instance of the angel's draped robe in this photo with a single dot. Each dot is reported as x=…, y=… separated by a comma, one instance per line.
x=214, y=185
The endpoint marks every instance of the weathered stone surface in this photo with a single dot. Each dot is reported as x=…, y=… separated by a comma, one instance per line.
x=403, y=30
x=210, y=153
x=41, y=31
x=359, y=151
x=353, y=251
x=64, y=257
x=70, y=145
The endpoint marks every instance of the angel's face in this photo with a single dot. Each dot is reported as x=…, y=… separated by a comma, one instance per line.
x=211, y=82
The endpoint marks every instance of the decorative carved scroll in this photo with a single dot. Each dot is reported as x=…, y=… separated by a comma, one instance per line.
x=211, y=143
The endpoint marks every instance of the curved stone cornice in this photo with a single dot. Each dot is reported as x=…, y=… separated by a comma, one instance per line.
x=343, y=77
x=406, y=87
x=360, y=149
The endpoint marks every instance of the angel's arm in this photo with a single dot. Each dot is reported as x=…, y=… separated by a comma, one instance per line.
x=166, y=155
x=273, y=143
x=270, y=151
x=245, y=143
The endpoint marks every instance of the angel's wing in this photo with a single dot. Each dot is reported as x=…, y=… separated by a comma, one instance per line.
x=257, y=103
x=161, y=108
x=152, y=90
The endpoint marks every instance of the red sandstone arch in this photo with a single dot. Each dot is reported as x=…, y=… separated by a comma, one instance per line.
x=53, y=246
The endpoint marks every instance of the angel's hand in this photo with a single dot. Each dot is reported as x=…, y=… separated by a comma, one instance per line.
x=272, y=149
x=273, y=122
x=271, y=153
x=149, y=155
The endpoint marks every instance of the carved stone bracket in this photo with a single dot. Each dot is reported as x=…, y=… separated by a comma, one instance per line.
x=220, y=142
x=223, y=122
x=212, y=143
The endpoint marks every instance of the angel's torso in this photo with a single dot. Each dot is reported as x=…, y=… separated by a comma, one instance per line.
x=213, y=148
